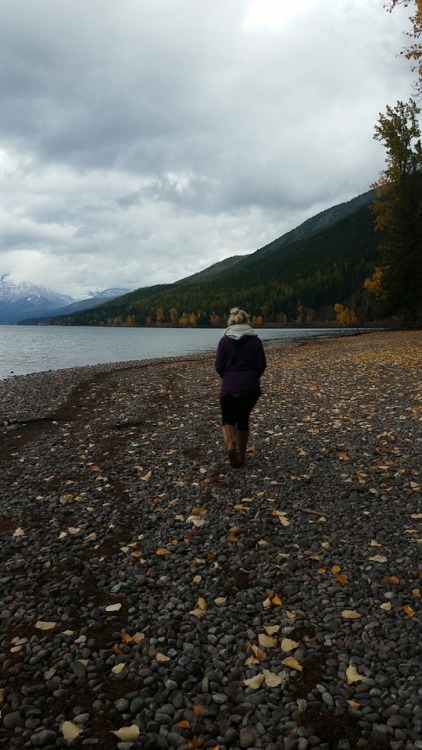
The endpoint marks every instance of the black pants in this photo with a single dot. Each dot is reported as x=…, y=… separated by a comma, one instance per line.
x=235, y=409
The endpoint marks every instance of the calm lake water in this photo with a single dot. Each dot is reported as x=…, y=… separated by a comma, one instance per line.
x=26, y=349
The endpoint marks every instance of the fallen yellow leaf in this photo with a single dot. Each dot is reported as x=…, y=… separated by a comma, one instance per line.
x=161, y=657
x=408, y=610
x=43, y=625
x=342, y=579
x=352, y=675
x=335, y=569
x=270, y=629
x=350, y=614
x=353, y=704
x=386, y=606
x=127, y=734
x=162, y=551
x=392, y=579
x=291, y=662
x=254, y=682
x=70, y=730
x=118, y=668
x=288, y=645
x=267, y=641
x=271, y=678
x=378, y=558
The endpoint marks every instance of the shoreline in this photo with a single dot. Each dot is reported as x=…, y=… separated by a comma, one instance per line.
x=56, y=385
x=147, y=585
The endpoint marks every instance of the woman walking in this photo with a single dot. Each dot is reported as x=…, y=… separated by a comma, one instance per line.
x=240, y=362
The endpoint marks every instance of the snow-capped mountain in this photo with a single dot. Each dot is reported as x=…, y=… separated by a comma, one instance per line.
x=24, y=299
x=27, y=301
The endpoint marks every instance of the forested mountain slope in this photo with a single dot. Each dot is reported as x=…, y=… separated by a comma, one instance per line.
x=298, y=277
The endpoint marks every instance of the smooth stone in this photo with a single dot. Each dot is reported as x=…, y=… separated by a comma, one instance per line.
x=43, y=738
x=12, y=720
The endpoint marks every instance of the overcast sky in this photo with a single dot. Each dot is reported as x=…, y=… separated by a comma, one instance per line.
x=143, y=140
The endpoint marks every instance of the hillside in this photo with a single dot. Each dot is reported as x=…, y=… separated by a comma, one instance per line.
x=298, y=277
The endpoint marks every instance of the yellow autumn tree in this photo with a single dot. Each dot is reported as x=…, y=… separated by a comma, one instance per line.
x=414, y=51
x=344, y=316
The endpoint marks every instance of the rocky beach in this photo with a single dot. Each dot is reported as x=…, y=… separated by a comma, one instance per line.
x=153, y=597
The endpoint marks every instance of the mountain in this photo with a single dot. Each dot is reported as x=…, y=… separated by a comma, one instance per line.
x=24, y=299
x=32, y=303
x=297, y=278
x=92, y=300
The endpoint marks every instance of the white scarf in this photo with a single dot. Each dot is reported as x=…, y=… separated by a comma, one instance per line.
x=239, y=330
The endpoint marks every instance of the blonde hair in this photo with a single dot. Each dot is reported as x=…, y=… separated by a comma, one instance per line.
x=237, y=316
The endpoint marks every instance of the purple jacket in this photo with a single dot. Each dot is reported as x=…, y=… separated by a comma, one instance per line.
x=240, y=363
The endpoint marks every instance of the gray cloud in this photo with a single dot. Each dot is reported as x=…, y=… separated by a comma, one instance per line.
x=142, y=141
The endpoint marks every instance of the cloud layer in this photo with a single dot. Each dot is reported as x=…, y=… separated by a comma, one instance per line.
x=141, y=141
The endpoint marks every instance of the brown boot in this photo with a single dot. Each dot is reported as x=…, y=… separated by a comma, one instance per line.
x=229, y=437
x=241, y=445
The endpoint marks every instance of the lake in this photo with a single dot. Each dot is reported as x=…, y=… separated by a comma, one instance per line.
x=26, y=349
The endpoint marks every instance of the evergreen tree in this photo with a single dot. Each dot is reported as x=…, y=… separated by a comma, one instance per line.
x=398, y=211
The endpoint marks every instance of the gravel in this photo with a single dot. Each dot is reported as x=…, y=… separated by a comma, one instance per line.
x=153, y=597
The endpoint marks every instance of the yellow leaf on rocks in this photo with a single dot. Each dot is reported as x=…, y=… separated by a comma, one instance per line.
x=18, y=532
x=197, y=579
x=127, y=734
x=138, y=637
x=277, y=601
x=416, y=515
x=378, y=559
x=353, y=704
x=270, y=629
x=267, y=641
x=392, y=579
x=321, y=571
x=292, y=663
x=266, y=603
x=417, y=593
x=374, y=543
x=43, y=625
x=195, y=521
x=161, y=657
x=290, y=615
x=288, y=645
x=162, y=551
x=350, y=614
x=118, y=668
x=386, y=606
x=251, y=660
x=183, y=724
x=113, y=607
x=70, y=730
x=220, y=600
x=200, y=609
x=352, y=675
x=408, y=610
x=254, y=682
x=325, y=545
x=342, y=579
x=335, y=569
x=272, y=679
x=259, y=653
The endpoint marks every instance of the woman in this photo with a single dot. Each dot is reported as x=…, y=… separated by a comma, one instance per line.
x=240, y=362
